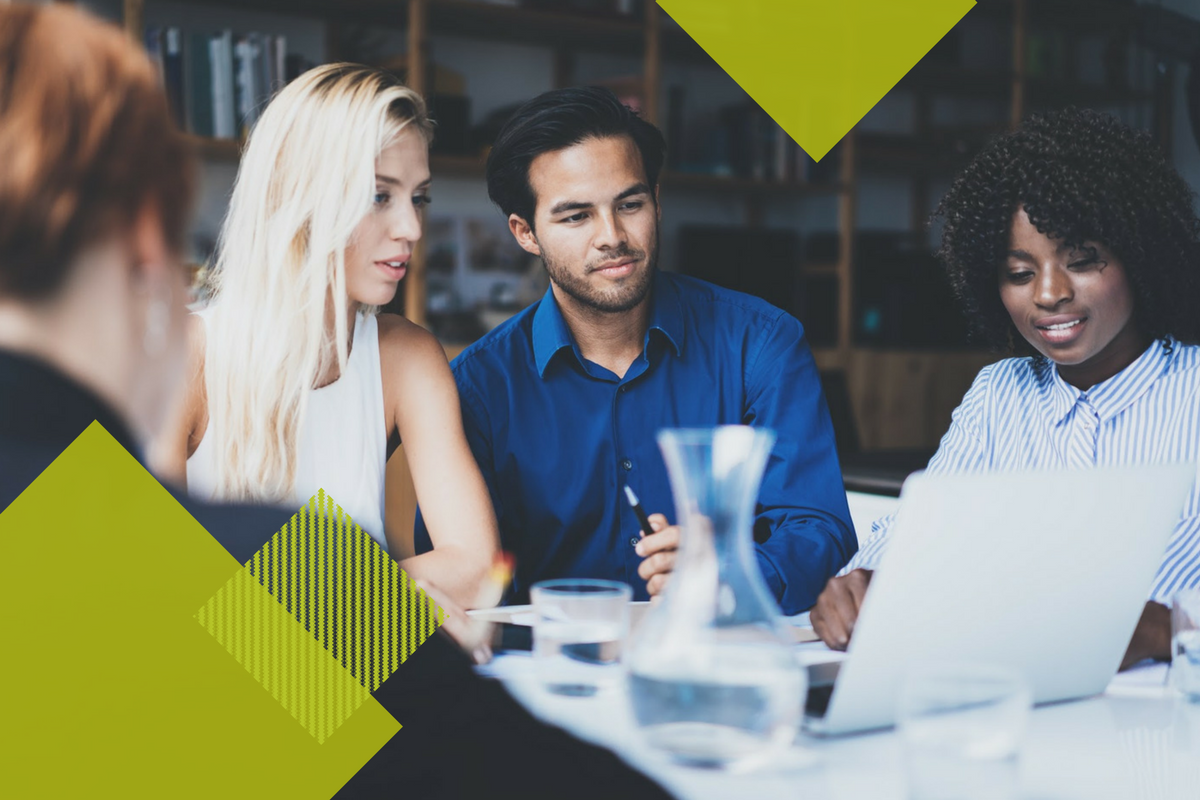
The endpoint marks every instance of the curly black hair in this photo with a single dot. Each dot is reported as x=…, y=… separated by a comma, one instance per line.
x=1081, y=176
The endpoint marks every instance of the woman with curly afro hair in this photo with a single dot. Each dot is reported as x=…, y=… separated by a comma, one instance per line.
x=1073, y=245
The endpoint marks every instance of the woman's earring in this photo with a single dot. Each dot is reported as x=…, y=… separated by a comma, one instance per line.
x=158, y=316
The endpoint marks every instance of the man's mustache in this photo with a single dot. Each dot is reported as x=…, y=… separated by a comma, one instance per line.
x=620, y=256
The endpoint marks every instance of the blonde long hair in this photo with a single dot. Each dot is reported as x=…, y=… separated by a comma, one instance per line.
x=306, y=181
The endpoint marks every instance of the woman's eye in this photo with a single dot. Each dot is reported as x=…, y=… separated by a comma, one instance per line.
x=422, y=200
x=382, y=198
x=1019, y=277
x=1083, y=264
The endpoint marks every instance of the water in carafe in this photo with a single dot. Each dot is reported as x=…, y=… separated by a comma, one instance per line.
x=712, y=676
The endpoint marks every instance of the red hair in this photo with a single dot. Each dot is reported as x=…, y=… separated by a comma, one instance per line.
x=86, y=141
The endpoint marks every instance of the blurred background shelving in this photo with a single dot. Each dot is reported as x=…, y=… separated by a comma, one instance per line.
x=844, y=243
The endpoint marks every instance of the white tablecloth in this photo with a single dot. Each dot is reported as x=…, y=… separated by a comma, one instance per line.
x=1139, y=741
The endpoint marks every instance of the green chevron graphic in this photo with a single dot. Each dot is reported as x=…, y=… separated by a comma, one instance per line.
x=816, y=66
x=351, y=598
x=109, y=686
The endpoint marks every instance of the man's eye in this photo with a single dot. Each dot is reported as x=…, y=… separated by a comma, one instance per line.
x=632, y=205
x=574, y=218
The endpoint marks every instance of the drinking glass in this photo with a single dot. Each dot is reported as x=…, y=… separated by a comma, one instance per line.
x=579, y=628
x=1185, y=643
x=961, y=726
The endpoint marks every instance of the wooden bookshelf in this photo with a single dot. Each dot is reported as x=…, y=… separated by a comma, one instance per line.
x=1084, y=16
x=471, y=167
x=920, y=155
x=456, y=166
x=216, y=149
x=702, y=182
x=653, y=36
x=535, y=26
x=998, y=83
x=927, y=155
x=815, y=269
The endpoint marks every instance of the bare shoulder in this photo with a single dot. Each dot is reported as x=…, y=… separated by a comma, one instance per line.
x=196, y=404
x=196, y=338
x=416, y=376
x=405, y=347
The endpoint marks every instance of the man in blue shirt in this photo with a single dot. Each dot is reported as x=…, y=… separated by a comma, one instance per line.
x=562, y=403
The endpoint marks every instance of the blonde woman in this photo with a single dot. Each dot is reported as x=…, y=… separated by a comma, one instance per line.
x=297, y=384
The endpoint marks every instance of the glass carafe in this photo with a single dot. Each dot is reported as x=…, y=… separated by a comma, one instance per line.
x=712, y=674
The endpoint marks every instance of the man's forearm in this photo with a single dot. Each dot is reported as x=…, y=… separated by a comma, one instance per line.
x=801, y=555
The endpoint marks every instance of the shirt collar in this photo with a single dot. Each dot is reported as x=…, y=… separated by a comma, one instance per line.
x=1114, y=395
x=551, y=334
x=666, y=315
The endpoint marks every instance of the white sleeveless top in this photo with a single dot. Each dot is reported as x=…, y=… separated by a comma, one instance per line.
x=343, y=441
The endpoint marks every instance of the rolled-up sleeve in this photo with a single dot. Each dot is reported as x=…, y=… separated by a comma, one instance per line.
x=1180, y=567
x=802, y=503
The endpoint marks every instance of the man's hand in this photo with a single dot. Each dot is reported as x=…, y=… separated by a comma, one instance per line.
x=836, y=611
x=658, y=554
x=1151, y=638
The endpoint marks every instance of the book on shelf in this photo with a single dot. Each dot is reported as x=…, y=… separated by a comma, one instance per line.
x=165, y=50
x=218, y=84
x=198, y=85
x=739, y=140
x=173, y=73
x=247, y=52
x=220, y=49
x=261, y=67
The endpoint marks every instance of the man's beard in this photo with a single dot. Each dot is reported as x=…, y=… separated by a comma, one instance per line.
x=619, y=298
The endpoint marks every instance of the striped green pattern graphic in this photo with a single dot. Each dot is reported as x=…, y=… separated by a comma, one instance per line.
x=365, y=615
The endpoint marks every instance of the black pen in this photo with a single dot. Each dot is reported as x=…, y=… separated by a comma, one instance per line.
x=643, y=520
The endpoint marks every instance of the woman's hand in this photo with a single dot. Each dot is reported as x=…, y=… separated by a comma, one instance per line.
x=1151, y=637
x=836, y=611
x=470, y=634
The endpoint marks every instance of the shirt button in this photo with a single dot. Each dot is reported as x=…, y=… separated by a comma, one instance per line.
x=627, y=465
x=624, y=389
x=633, y=542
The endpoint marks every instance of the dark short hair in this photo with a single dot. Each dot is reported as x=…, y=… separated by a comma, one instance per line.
x=87, y=140
x=557, y=120
x=1081, y=176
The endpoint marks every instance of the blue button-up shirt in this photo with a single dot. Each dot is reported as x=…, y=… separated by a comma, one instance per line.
x=557, y=436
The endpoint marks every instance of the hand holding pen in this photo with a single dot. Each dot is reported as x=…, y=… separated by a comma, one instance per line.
x=657, y=547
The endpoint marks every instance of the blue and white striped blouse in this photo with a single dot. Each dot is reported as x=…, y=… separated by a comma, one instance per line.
x=1020, y=415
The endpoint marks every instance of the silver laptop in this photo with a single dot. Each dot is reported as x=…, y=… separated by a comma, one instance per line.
x=1044, y=572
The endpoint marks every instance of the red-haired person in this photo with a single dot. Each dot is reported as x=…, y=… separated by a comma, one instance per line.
x=95, y=188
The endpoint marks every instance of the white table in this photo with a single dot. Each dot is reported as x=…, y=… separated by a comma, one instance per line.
x=1139, y=741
